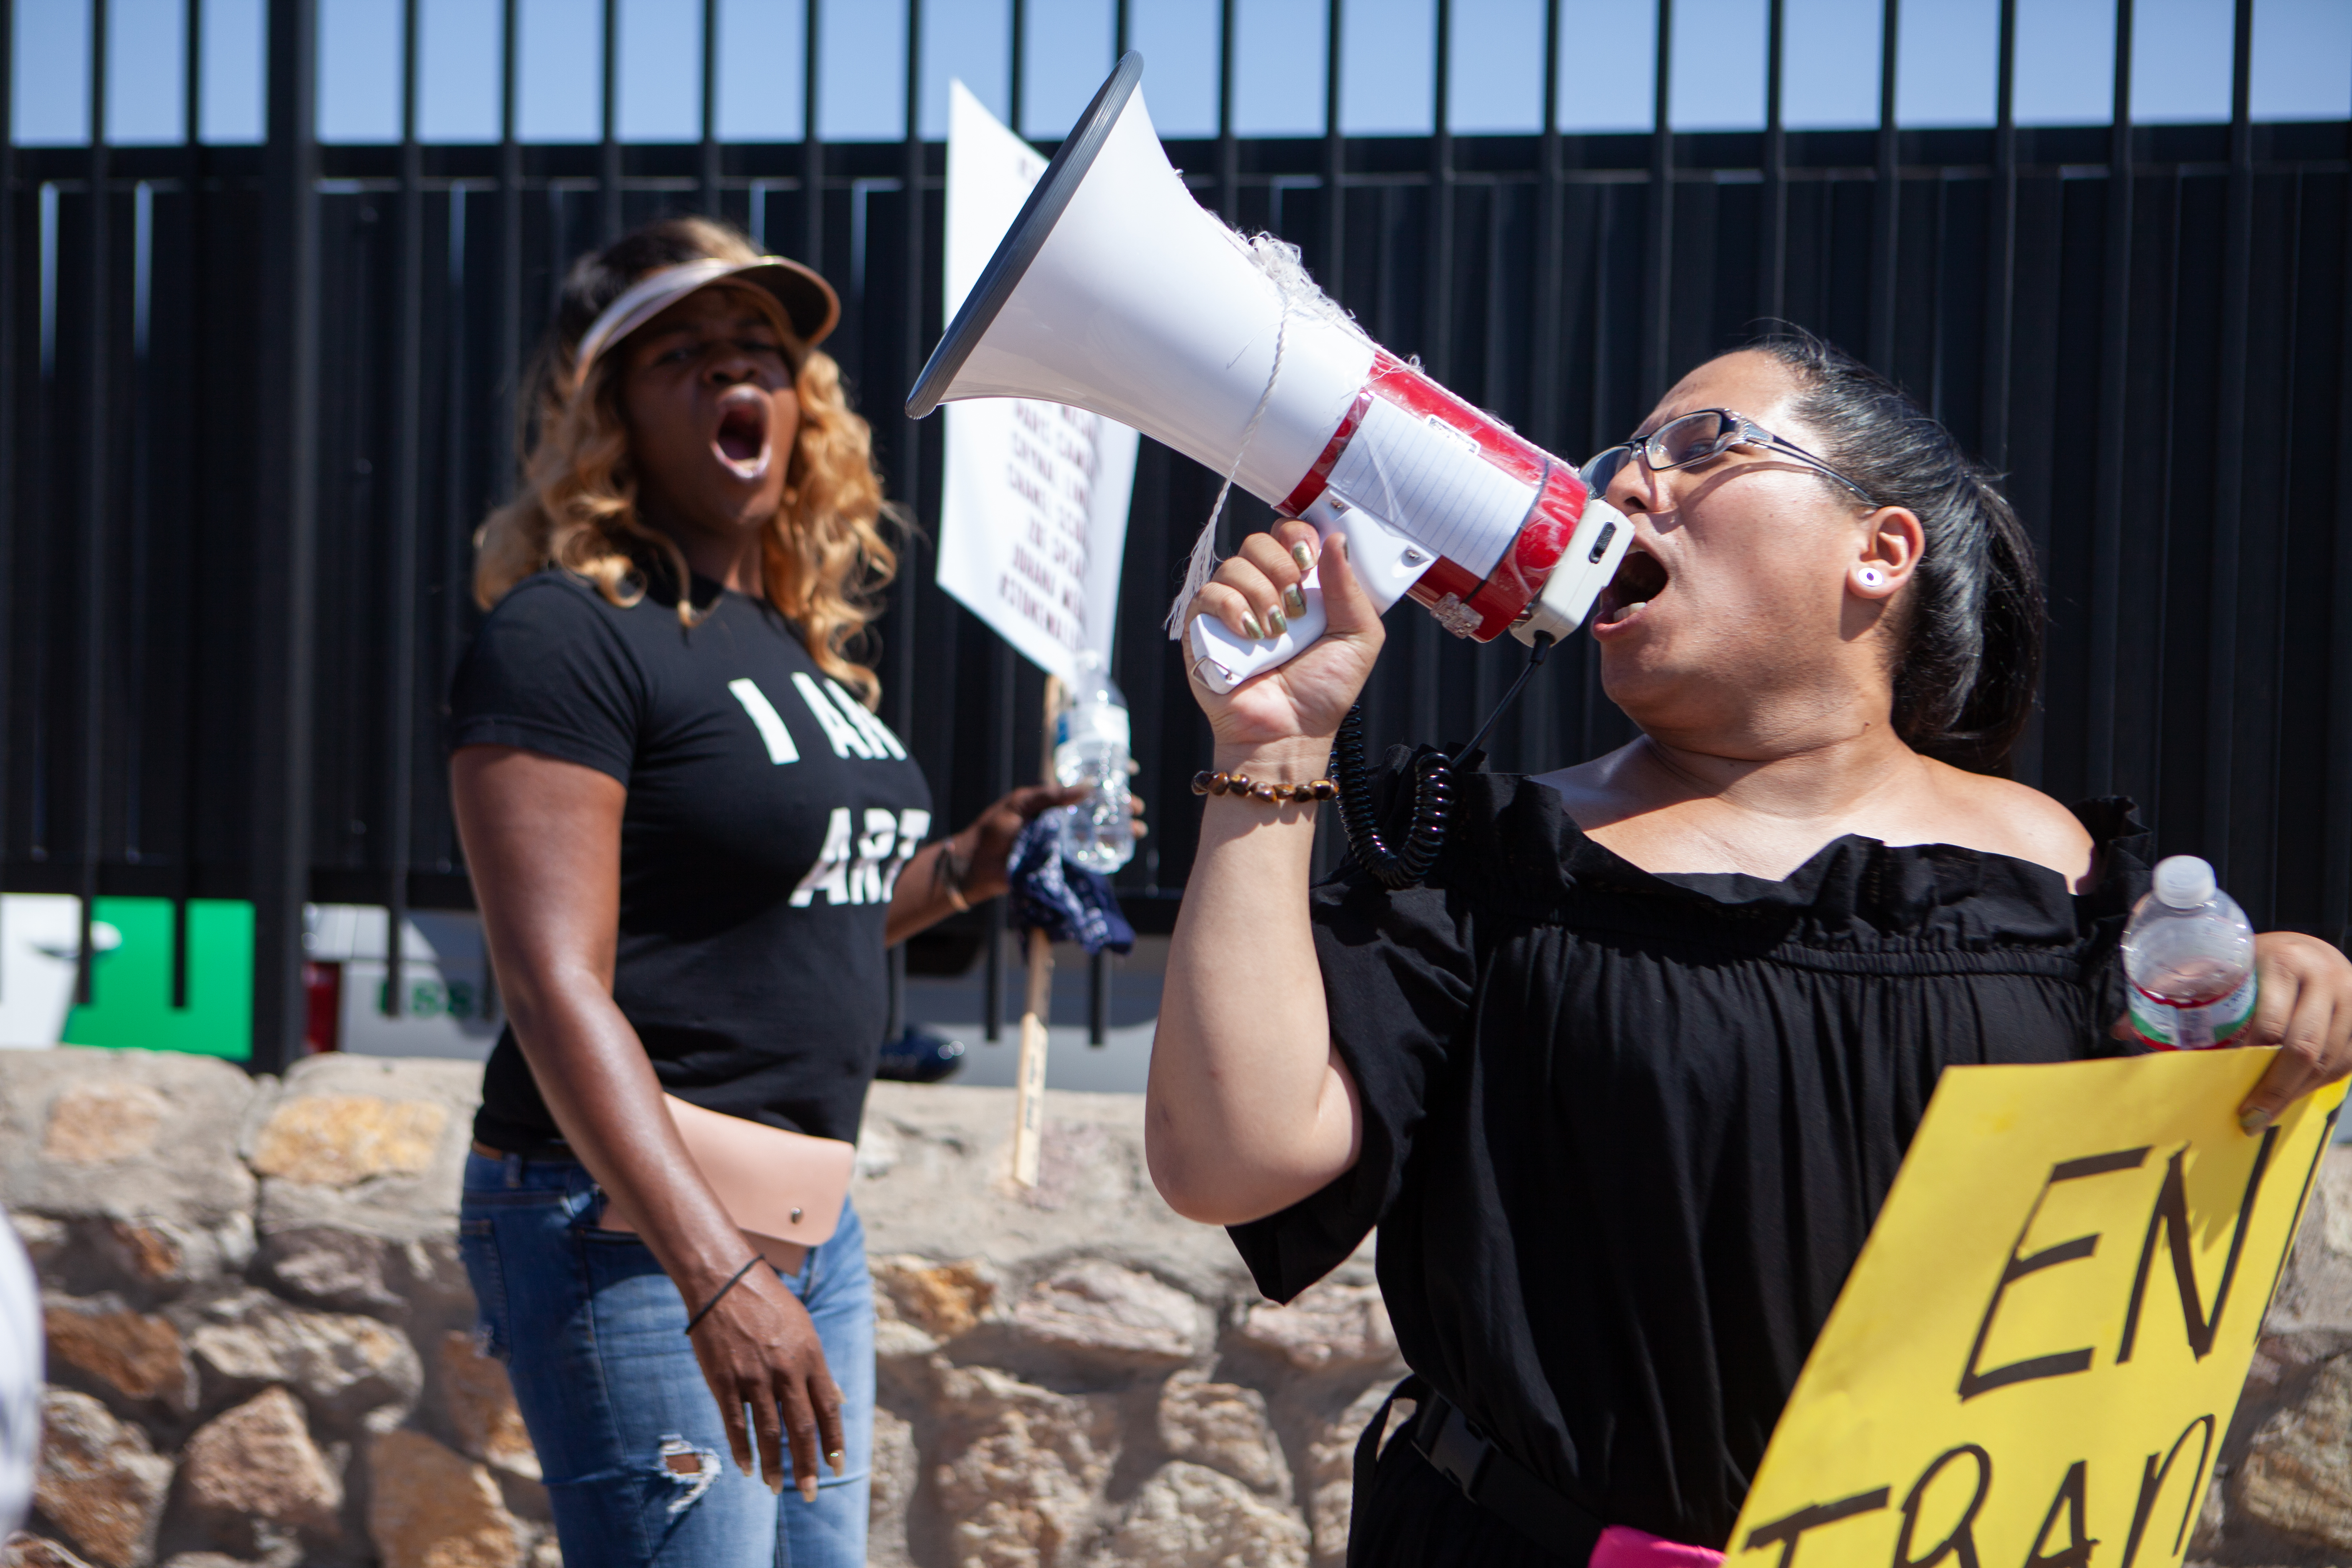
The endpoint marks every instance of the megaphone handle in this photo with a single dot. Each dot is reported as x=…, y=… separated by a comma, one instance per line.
x=1223, y=659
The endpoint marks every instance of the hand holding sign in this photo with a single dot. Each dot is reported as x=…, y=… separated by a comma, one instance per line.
x=2041, y=1347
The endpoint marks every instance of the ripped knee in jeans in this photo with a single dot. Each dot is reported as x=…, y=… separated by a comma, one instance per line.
x=690, y=1470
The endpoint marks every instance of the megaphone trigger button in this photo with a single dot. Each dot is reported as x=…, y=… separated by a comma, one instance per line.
x=1601, y=544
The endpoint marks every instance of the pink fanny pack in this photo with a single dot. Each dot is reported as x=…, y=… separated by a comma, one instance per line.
x=1621, y=1546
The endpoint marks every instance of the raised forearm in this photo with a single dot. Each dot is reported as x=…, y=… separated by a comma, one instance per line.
x=1249, y=1109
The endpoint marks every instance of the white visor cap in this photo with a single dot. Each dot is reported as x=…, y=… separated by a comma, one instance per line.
x=808, y=300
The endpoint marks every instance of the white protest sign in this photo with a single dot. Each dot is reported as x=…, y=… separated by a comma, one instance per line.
x=1033, y=520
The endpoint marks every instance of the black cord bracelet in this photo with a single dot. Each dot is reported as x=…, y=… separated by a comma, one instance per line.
x=757, y=1258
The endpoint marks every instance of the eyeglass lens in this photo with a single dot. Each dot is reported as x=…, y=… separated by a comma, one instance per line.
x=1692, y=438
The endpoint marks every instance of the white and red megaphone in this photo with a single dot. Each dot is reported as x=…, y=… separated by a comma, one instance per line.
x=1114, y=291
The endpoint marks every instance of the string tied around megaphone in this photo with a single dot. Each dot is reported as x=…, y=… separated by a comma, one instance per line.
x=1279, y=259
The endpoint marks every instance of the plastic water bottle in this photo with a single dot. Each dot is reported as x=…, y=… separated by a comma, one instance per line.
x=1091, y=736
x=2188, y=954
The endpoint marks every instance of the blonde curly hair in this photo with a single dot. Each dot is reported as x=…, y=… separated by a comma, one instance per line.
x=825, y=557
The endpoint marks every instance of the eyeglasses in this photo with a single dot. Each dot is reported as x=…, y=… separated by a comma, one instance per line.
x=1695, y=438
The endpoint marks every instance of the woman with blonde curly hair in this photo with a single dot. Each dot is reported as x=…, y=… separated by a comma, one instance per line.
x=691, y=841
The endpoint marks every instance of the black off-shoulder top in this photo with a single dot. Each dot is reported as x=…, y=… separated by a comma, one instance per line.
x=1625, y=1134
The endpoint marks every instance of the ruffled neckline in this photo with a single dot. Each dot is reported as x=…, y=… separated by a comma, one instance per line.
x=1512, y=840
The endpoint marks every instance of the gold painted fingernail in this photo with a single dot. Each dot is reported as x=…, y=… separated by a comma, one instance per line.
x=1294, y=599
x=1252, y=630
x=2252, y=1121
x=1304, y=556
x=1276, y=623
x=835, y=1459
x=808, y=1488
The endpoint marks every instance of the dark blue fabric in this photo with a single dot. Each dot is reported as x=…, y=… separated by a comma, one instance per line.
x=1067, y=902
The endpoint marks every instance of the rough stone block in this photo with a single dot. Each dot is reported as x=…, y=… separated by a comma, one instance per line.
x=44, y=1238
x=347, y=1368
x=101, y=1482
x=100, y=1123
x=945, y=1300
x=1224, y=1427
x=374, y=1145
x=934, y=1180
x=1094, y=1308
x=2315, y=1297
x=142, y=1136
x=1025, y=1470
x=137, y=1356
x=481, y=1408
x=2297, y=1475
x=897, y=1468
x=1331, y=1473
x=341, y=1140
x=1187, y=1516
x=431, y=1507
x=26, y=1550
x=1331, y=1327
x=254, y=1471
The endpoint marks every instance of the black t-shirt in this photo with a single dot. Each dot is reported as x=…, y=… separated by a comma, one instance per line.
x=1624, y=1134
x=768, y=815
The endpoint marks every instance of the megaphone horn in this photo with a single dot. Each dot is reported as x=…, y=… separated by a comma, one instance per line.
x=1114, y=291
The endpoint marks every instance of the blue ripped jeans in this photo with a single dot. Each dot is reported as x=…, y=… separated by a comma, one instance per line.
x=636, y=1462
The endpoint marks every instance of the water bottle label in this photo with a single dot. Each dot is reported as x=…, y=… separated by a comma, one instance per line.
x=2174, y=1026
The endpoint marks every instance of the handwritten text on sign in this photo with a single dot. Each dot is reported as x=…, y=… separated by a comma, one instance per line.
x=1033, y=515
x=2039, y=1352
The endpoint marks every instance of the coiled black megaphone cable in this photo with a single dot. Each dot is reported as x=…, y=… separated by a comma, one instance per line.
x=1433, y=792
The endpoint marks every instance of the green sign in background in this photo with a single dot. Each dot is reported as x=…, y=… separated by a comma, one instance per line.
x=131, y=989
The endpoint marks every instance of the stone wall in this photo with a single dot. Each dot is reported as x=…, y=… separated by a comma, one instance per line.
x=259, y=1347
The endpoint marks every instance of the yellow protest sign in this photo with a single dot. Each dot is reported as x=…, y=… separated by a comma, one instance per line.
x=2036, y=1357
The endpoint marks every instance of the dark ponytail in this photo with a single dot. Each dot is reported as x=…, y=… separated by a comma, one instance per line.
x=1971, y=639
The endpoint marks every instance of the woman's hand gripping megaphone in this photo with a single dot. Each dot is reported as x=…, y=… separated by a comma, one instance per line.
x=1299, y=702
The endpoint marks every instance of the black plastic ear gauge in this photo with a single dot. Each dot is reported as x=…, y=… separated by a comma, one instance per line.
x=1433, y=792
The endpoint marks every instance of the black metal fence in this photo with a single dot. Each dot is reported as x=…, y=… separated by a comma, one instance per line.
x=254, y=402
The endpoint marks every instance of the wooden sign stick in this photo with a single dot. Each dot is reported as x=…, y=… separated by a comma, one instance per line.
x=1029, y=1095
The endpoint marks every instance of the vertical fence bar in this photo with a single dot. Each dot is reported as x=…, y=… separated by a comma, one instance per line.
x=1098, y=972
x=2114, y=358
x=1772, y=269
x=97, y=469
x=509, y=346
x=1437, y=327
x=2230, y=455
x=1335, y=158
x=1003, y=735
x=1659, y=264
x=1437, y=335
x=2336, y=827
x=285, y=605
x=191, y=652
x=2001, y=250
x=812, y=144
x=709, y=167
x=1887, y=202
x=1229, y=158
x=407, y=481
x=904, y=613
x=608, y=152
x=10, y=511
x=1543, y=390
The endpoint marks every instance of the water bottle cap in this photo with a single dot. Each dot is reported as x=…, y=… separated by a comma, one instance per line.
x=2184, y=881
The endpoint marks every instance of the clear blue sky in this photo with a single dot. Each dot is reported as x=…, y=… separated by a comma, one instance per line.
x=2301, y=66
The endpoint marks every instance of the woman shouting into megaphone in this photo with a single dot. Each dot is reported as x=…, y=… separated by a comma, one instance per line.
x=1623, y=1085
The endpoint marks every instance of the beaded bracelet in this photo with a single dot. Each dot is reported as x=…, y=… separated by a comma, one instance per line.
x=1207, y=782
